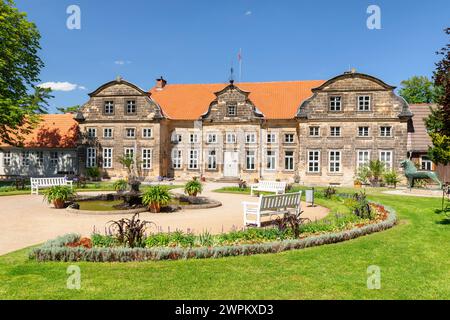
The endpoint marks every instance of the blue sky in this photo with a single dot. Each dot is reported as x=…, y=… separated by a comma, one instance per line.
x=197, y=41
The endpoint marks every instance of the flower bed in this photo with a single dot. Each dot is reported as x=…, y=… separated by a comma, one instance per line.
x=62, y=249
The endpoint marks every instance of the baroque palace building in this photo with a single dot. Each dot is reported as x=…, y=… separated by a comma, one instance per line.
x=313, y=132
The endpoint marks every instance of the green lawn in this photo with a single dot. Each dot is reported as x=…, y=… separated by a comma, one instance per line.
x=413, y=257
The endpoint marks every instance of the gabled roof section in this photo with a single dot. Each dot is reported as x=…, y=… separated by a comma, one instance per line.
x=116, y=82
x=347, y=75
x=276, y=100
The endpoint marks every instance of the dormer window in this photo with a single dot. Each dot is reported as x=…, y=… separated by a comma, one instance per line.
x=231, y=110
x=364, y=103
x=335, y=103
x=109, y=107
x=131, y=106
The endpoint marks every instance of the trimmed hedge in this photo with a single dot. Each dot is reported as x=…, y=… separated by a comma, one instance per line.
x=56, y=250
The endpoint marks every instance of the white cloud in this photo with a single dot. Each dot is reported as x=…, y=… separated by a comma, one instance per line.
x=61, y=86
x=248, y=13
x=122, y=62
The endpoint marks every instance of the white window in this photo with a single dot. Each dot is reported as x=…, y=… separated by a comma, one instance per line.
x=147, y=133
x=193, y=159
x=386, y=158
x=26, y=158
x=39, y=158
x=288, y=138
x=335, y=131
x=212, y=160
x=271, y=160
x=109, y=107
x=335, y=103
x=363, y=158
x=176, y=158
x=314, y=131
x=231, y=110
x=91, y=157
x=130, y=132
x=146, y=158
x=176, y=138
x=363, y=131
x=314, y=161
x=289, y=160
x=193, y=138
x=7, y=158
x=212, y=138
x=334, y=161
x=385, y=131
x=107, y=133
x=364, y=103
x=131, y=106
x=250, y=137
x=271, y=138
x=92, y=132
x=54, y=159
x=128, y=153
x=426, y=163
x=231, y=138
x=107, y=158
x=250, y=159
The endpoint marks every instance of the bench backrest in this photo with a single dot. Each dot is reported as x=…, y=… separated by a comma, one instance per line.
x=273, y=185
x=44, y=182
x=280, y=201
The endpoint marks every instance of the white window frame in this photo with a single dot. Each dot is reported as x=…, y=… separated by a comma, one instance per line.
x=177, y=158
x=7, y=158
x=363, y=131
x=271, y=138
x=211, y=137
x=362, y=100
x=335, y=103
x=127, y=151
x=231, y=138
x=108, y=158
x=177, y=137
x=335, y=131
x=91, y=132
x=232, y=107
x=314, y=131
x=91, y=157
x=384, y=130
x=147, y=133
x=212, y=159
x=315, y=162
x=39, y=158
x=285, y=135
x=361, y=160
x=54, y=161
x=128, y=131
x=131, y=105
x=110, y=130
x=390, y=163
x=193, y=137
x=193, y=159
x=335, y=161
x=25, y=158
x=426, y=163
x=108, y=107
x=289, y=160
x=250, y=137
x=271, y=160
x=250, y=160
x=147, y=158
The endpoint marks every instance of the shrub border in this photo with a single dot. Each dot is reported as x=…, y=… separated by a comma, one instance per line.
x=55, y=250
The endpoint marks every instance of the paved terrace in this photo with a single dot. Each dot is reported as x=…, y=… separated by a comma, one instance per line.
x=27, y=220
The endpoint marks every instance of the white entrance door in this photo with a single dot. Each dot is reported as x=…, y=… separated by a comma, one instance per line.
x=231, y=162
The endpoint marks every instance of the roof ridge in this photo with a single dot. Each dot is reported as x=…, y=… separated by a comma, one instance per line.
x=246, y=82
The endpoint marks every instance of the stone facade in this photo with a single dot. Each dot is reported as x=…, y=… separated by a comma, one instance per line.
x=232, y=139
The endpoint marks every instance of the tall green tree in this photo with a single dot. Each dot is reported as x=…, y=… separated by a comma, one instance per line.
x=417, y=89
x=438, y=123
x=68, y=109
x=20, y=99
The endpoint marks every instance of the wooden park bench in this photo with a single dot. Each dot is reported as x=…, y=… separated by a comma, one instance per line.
x=269, y=205
x=37, y=183
x=269, y=186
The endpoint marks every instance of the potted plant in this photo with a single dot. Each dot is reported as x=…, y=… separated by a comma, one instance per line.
x=93, y=173
x=193, y=187
x=58, y=195
x=120, y=185
x=392, y=178
x=156, y=197
x=376, y=168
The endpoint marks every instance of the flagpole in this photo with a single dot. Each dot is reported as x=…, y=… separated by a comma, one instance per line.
x=240, y=65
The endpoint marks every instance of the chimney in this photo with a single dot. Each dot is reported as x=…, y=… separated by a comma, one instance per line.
x=160, y=83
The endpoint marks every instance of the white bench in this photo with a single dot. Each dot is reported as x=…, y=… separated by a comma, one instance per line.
x=37, y=183
x=270, y=186
x=269, y=205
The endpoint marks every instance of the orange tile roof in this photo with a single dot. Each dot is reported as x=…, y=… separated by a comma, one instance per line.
x=53, y=131
x=276, y=100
